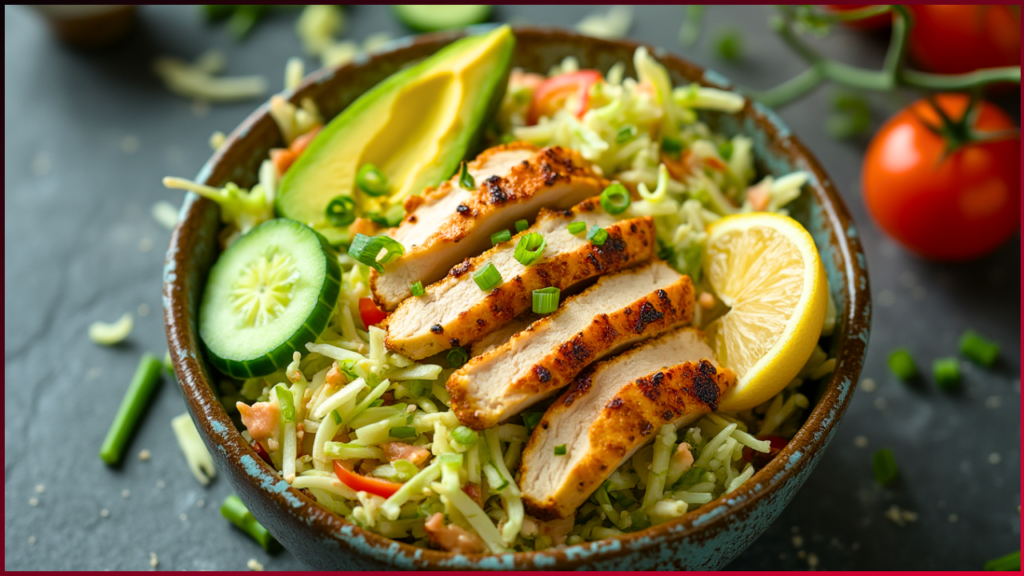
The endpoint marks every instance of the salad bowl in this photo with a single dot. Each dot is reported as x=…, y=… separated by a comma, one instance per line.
x=705, y=539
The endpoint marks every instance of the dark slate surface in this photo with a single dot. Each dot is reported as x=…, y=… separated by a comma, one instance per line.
x=87, y=138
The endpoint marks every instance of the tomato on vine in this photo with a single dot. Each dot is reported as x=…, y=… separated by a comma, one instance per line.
x=947, y=189
x=960, y=39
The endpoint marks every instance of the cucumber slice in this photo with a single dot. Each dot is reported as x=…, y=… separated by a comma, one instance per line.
x=269, y=293
x=432, y=18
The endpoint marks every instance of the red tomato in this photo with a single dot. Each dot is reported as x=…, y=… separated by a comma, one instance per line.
x=369, y=313
x=776, y=444
x=554, y=93
x=381, y=488
x=944, y=206
x=959, y=39
x=873, y=23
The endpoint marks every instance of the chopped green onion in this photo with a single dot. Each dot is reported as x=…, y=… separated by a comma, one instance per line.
x=545, y=300
x=499, y=237
x=418, y=388
x=725, y=150
x=671, y=145
x=885, y=466
x=615, y=199
x=625, y=134
x=141, y=389
x=947, y=372
x=457, y=357
x=239, y=515
x=487, y=277
x=371, y=180
x=366, y=250
x=577, y=227
x=336, y=417
x=522, y=225
x=403, y=432
x=417, y=288
x=978, y=349
x=466, y=179
x=341, y=211
x=465, y=436
x=560, y=450
x=495, y=480
x=902, y=364
x=597, y=235
x=530, y=248
x=531, y=419
x=729, y=45
x=1008, y=563
x=284, y=398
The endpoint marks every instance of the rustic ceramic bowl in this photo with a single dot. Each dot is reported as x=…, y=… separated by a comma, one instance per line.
x=707, y=538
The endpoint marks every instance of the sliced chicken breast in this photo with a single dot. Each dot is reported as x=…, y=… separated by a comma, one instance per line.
x=502, y=335
x=619, y=310
x=456, y=312
x=611, y=410
x=450, y=223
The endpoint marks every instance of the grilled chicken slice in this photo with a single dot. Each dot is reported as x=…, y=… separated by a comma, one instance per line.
x=450, y=223
x=455, y=311
x=504, y=334
x=619, y=310
x=611, y=410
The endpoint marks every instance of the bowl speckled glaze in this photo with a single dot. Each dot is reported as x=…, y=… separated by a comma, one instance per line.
x=707, y=538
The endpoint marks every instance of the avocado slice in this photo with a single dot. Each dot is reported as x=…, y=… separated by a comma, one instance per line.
x=416, y=126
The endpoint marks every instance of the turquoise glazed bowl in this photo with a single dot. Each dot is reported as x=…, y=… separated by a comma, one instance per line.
x=708, y=538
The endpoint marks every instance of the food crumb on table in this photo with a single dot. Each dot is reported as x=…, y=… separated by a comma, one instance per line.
x=880, y=403
x=899, y=516
x=144, y=455
x=802, y=554
x=994, y=458
x=798, y=541
x=160, y=484
x=812, y=561
x=993, y=402
x=125, y=493
x=868, y=385
x=41, y=164
x=153, y=560
x=31, y=540
x=145, y=244
x=254, y=565
x=94, y=373
x=40, y=488
x=886, y=298
x=143, y=310
x=200, y=503
x=33, y=501
x=104, y=513
x=183, y=517
x=861, y=441
x=953, y=518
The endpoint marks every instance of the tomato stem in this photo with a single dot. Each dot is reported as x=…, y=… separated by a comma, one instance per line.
x=893, y=73
x=961, y=132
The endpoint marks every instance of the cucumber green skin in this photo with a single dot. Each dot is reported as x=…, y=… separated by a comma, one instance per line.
x=310, y=330
x=290, y=201
x=447, y=18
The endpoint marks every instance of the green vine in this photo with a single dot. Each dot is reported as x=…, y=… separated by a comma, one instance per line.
x=893, y=73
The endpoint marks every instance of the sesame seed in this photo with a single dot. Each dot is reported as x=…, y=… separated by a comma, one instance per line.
x=31, y=540
x=253, y=565
x=143, y=310
x=861, y=441
x=153, y=560
x=40, y=488
x=953, y=518
x=899, y=516
x=144, y=455
x=994, y=458
x=125, y=493
x=183, y=517
x=33, y=501
x=868, y=385
x=104, y=513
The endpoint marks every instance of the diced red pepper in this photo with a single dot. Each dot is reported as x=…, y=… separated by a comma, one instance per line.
x=381, y=488
x=369, y=313
x=776, y=444
x=262, y=452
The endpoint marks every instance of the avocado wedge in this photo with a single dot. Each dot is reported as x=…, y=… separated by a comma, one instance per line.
x=416, y=127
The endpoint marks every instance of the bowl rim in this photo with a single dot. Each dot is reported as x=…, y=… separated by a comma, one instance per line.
x=813, y=434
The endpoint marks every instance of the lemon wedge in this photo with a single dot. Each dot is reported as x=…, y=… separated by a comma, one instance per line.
x=766, y=269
